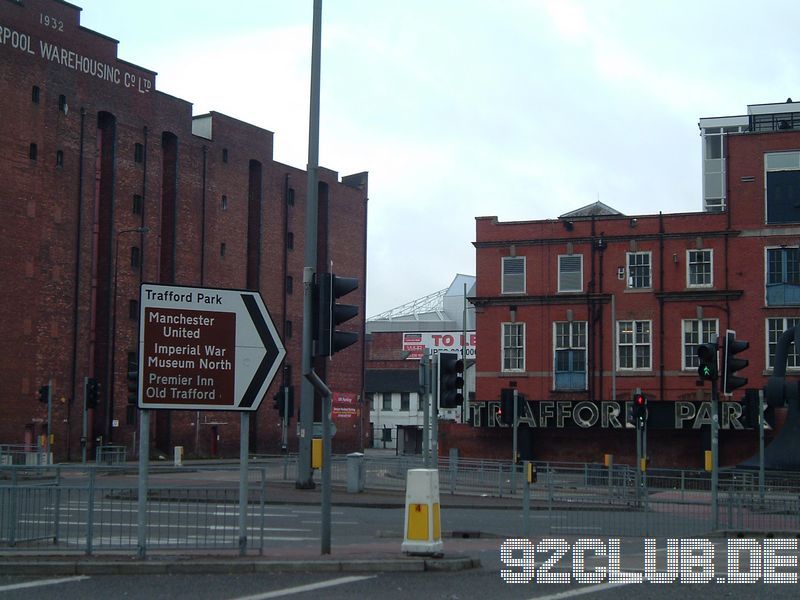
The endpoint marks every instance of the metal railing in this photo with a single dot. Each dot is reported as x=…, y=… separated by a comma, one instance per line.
x=91, y=508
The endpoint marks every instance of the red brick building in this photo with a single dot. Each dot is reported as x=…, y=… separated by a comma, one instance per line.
x=578, y=312
x=92, y=154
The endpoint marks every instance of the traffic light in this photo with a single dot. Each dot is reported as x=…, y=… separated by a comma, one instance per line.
x=707, y=354
x=44, y=394
x=750, y=410
x=92, y=392
x=507, y=406
x=330, y=314
x=730, y=348
x=451, y=382
x=279, y=402
x=639, y=408
x=133, y=378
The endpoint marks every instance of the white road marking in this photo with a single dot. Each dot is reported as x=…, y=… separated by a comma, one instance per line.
x=581, y=591
x=41, y=582
x=305, y=588
x=315, y=512
x=318, y=522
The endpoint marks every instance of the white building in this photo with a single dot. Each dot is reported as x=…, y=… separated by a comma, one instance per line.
x=395, y=342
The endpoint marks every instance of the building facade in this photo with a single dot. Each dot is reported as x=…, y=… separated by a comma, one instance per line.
x=108, y=183
x=396, y=341
x=578, y=312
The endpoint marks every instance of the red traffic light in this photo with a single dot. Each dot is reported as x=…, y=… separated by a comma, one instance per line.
x=639, y=399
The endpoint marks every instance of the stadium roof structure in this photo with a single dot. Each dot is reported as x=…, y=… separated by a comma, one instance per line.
x=442, y=309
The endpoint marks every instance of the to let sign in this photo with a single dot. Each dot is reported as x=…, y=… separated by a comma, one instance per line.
x=205, y=349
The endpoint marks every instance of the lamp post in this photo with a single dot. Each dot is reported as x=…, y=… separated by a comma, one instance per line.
x=112, y=350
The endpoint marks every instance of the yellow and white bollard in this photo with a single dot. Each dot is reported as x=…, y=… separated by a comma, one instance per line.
x=422, y=531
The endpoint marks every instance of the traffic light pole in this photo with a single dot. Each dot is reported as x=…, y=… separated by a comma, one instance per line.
x=84, y=423
x=325, y=518
x=434, y=404
x=49, y=420
x=714, y=455
x=424, y=397
x=638, y=459
x=304, y=474
x=761, y=444
x=514, y=444
x=285, y=420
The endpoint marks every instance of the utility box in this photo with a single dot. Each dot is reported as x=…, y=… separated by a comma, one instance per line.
x=178, y=456
x=316, y=453
x=355, y=472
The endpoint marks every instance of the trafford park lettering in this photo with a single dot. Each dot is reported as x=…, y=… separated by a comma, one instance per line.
x=189, y=354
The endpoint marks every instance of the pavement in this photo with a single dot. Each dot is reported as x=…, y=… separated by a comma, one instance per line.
x=383, y=553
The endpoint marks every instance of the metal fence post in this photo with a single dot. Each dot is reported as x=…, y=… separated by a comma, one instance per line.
x=90, y=511
x=500, y=480
x=57, y=508
x=453, y=469
x=12, y=509
x=262, y=507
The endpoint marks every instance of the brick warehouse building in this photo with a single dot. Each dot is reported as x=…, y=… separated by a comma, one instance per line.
x=91, y=154
x=577, y=312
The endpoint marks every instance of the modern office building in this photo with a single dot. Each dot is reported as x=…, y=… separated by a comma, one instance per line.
x=108, y=182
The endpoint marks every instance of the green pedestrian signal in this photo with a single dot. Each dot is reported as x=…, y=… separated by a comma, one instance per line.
x=707, y=355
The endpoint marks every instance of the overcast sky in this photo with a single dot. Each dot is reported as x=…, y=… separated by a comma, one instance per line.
x=523, y=109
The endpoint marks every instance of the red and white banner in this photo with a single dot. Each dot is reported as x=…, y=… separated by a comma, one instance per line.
x=437, y=341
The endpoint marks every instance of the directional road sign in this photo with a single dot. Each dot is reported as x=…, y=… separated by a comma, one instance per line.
x=205, y=349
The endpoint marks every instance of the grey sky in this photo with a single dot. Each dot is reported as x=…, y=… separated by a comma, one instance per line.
x=463, y=108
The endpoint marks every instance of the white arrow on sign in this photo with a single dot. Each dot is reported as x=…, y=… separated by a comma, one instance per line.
x=205, y=348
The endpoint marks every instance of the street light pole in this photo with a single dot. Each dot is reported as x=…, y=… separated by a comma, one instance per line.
x=112, y=350
x=304, y=473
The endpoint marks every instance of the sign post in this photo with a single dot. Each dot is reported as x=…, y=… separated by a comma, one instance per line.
x=203, y=349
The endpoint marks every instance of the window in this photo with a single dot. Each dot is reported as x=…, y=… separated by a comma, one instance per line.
x=224, y=203
x=135, y=257
x=405, y=401
x=513, y=275
x=59, y=158
x=224, y=155
x=35, y=94
x=290, y=197
x=62, y=103
x=222, y=249
x=698, y=268
x=133, y=310
x=570, y=273
x=290, y=240
x=33, y=151
x=696, y=332
x=513, y=356
x=387, y=401
x=782, y=180
x=289, y=284
x=638, y=269
x=783, y=276
x=287, y=329
x=633, y=344
x=138, y=153
x=136, y=207
x=775, y=327
x=570, y=355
